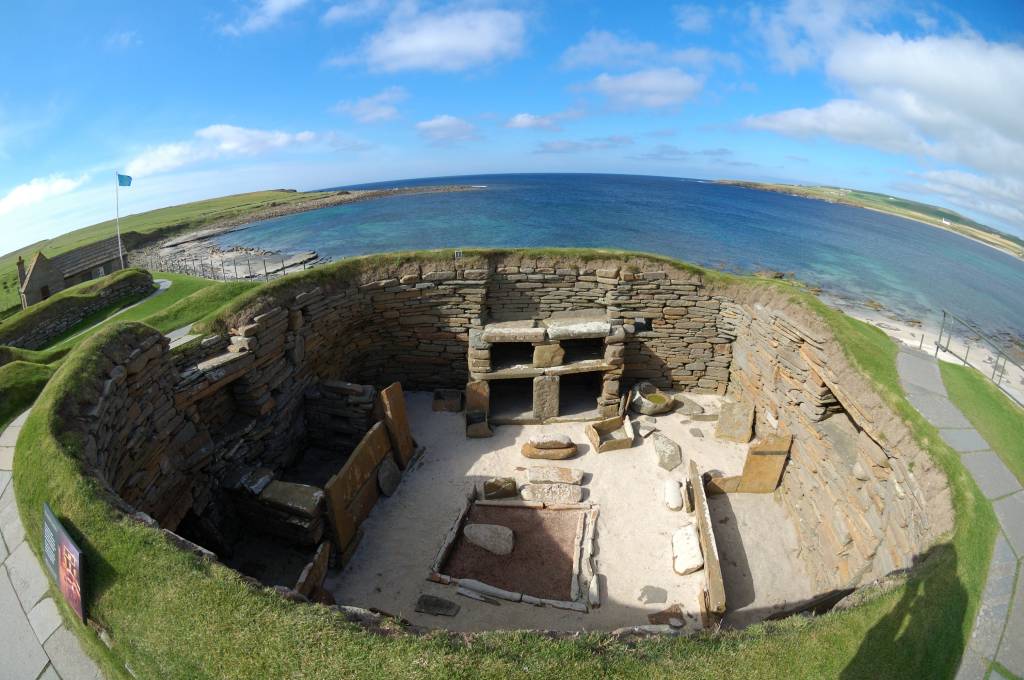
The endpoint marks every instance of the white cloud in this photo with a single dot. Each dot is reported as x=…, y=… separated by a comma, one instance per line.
x=349, y=11
x=798, y=35
x=567, y=146
x=446, y=129
x=213, y=142
x=376, y=108
x=122, y=40
x=450, y=40
x=605, y=49
x=1000, y=198
x=262, y=15
x=530, y=121
x=37, y=191
x=692, y=18
x=848, y=121
x=608, y=50
x=650, y=88
x=946, y=98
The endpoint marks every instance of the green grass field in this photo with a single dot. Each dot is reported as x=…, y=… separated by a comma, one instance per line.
x=173, y=616
x=992, y=413
x=20, y=383
x=171, y=220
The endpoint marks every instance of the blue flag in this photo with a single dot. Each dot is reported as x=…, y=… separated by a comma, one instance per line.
x=123, y=180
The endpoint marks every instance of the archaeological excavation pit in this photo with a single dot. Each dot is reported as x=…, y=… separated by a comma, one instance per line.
x=302, y=445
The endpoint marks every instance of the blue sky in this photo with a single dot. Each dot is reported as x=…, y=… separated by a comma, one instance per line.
x=202, y=99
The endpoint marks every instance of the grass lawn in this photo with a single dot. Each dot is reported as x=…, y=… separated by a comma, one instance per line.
x=169, y=220
x=181, y=287
x=197, y=306
x=994, y=415
x=173, y=616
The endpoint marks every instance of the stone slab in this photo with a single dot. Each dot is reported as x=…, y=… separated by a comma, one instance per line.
x=972, y=666
x=68, y=659
x=393, y=401
x=920, y=371
x=542, y=474
x=995, y=600
x=436, y=606
x=9, y=437
x=10, y=521
x=991, y=474
x=26, y=576
x=553, y=493
x=736, y=422
x=44, y=619
x=938, y=409
x=5, y=479
x=1011, y=651
x=1010, y=511
x=6, y=457
x=964, y=441
x=21, y=655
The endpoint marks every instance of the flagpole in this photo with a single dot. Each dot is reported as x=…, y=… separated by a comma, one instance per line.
x=117, y=217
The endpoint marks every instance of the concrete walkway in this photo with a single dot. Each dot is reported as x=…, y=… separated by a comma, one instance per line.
x=998, y=633
x=34, y=643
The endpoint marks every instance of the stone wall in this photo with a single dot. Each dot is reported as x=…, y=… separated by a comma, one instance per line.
x=865, y=499
x=169, y=430
x=37, y=326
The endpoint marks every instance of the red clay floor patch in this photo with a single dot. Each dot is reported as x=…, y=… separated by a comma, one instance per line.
x=541, y=562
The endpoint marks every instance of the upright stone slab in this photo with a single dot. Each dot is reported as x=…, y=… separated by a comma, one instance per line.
x=545, y=356
x=545, y=396
x=393, y=402
x=736, y=422
x=766, y=459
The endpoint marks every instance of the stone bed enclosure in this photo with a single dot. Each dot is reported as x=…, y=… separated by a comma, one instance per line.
x=174, y=438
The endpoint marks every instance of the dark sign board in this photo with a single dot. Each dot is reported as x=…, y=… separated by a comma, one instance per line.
x=64, y=560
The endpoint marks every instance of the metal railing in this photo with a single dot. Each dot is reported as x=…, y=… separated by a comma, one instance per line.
x=997, y=366
x=234, y=269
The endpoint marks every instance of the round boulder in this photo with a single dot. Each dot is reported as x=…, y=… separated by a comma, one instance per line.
x=388, y=476
x=493, y=538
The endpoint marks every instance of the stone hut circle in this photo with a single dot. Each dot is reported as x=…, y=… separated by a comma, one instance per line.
x=518, y=441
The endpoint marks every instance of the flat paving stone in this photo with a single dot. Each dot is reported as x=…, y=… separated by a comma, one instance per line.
x=920, y=370
x=26, y=576
x=991, y=474
x=10, y=524
x=21, y=655
x=5, y=479
x=939, y=410
x=1011, y=651
x=6, y=458
x=44, y=619
x=9, y=437
x=964, y=441
x=20, y=420
x=1010, y=511
x=995, y=600
x=49, y=674
x=67, y=657
x=972, y=666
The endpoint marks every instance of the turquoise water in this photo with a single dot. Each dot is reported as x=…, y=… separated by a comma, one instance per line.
x=913, y=269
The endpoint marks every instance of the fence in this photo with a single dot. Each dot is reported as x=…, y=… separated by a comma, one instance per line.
x=222, y=268
x=958, y=337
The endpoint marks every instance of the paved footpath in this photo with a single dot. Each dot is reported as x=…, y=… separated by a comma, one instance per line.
x=998, y=633
x=34, y=643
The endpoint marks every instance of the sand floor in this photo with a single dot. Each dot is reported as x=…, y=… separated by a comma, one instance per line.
x=634, y=551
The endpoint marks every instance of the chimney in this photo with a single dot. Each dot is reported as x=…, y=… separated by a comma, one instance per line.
x=21, y=271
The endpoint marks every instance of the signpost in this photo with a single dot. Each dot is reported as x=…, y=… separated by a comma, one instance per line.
x=64, y=560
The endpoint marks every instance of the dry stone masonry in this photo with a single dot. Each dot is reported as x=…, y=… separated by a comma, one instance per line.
x=177, y=434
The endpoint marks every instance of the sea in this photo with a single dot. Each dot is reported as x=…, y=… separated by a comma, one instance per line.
x=855, y=256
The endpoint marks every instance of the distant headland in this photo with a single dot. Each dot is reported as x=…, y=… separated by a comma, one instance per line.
x=900, y=207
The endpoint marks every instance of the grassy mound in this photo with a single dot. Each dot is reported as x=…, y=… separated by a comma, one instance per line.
x=993, y=414
x=170, y=615
x=20, y=384
x=71, y=299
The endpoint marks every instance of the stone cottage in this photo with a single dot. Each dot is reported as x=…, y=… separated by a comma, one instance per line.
x=46, y=276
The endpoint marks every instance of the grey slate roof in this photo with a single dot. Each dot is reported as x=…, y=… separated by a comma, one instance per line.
x=87, y=257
